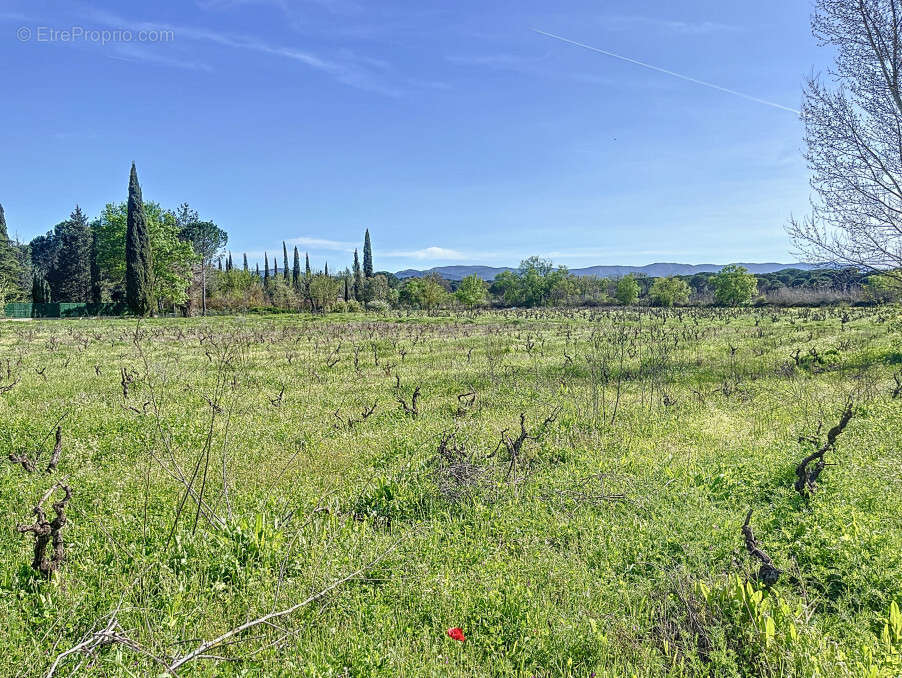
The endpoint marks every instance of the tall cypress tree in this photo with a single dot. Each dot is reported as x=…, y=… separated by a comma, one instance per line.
x=358, y=278
x=96, y=287
x=327, y=269
x=138, y=263
x=307, y=271
x=265, y=267
x=285, y=271
x=367, y=255
x=296, y=269
x=258, y=269
x=220, y=263
x=229, y=262
x=347, y=291
x=245, y=262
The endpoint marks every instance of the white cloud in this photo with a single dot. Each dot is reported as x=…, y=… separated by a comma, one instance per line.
x=322, y=244
x=623, y=22
x=349, y=71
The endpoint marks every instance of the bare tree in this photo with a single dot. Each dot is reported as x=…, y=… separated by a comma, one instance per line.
x=853, y=130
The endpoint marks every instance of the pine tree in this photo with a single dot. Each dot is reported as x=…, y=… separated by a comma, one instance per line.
x=11, y=269
x=138, y=293
x=245, y=262
x=307, y=271
x=367, y=255
x=285, y=270
x=358, y=278
x=296, y=269
x=70, y=275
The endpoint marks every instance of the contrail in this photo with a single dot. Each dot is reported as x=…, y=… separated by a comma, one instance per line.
x=696, y=81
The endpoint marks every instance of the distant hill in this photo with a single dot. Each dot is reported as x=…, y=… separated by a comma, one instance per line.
x=653, y=270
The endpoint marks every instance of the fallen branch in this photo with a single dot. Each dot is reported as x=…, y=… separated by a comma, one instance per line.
x=208, y=645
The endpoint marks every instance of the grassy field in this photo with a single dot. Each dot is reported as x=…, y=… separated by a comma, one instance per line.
x=225, y=469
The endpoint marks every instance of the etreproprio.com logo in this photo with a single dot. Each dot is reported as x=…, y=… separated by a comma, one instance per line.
x=100, y=36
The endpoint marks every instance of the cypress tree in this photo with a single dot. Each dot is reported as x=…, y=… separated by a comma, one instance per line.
x=358, y=278
x=220, y=263
x=11, y=269
x=296, y=269
x=229, y=262
x=307, y=271
x=138, y=263
x=347, y=291
x=265, y=267
x=96, y=288
x=275, y=267
x=367, y=255
x=285, y=271
x=245, y=262
x=327, y=269
x=258, y=269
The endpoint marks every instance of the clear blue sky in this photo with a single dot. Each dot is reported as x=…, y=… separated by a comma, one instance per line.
x=452, y=131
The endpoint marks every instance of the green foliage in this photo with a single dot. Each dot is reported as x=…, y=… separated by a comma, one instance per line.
x=536, y=283
x=611, y=545
x=358, y=279
x=627, y=290
x=426, y=293
x=324, y=291
x=734, y=286
x=472, y=292
x=669, y=292
x=11, y=269
x=885, y=287
x=367, y=255
x=138, y=252
x=172, y=259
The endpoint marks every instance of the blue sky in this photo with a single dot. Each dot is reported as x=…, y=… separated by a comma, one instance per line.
x=453, y=131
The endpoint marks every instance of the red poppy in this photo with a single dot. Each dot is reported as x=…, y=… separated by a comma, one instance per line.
x=456, y=634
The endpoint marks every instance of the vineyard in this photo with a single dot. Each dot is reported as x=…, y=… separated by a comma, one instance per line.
x=641, y=492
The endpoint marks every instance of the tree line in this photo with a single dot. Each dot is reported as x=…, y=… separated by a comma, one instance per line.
x=140, y=256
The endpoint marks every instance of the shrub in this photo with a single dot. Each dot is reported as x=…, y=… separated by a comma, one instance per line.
x=627, y=290
x=669, y=291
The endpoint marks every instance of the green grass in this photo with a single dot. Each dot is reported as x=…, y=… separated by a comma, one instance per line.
x=611, y=547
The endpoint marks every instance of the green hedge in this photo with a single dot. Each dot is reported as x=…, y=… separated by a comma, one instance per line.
x=61, y=310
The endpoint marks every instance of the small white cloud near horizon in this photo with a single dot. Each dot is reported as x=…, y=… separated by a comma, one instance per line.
x=323, y=244
x=441, y=253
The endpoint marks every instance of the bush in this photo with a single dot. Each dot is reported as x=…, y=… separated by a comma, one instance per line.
x=669, y=291
x=353, y=306
x=627, y=290
x=378, y=306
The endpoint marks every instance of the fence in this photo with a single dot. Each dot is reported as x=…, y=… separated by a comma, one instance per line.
x=61, y=310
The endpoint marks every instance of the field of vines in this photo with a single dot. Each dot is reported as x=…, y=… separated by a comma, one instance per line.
x=611, y=493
